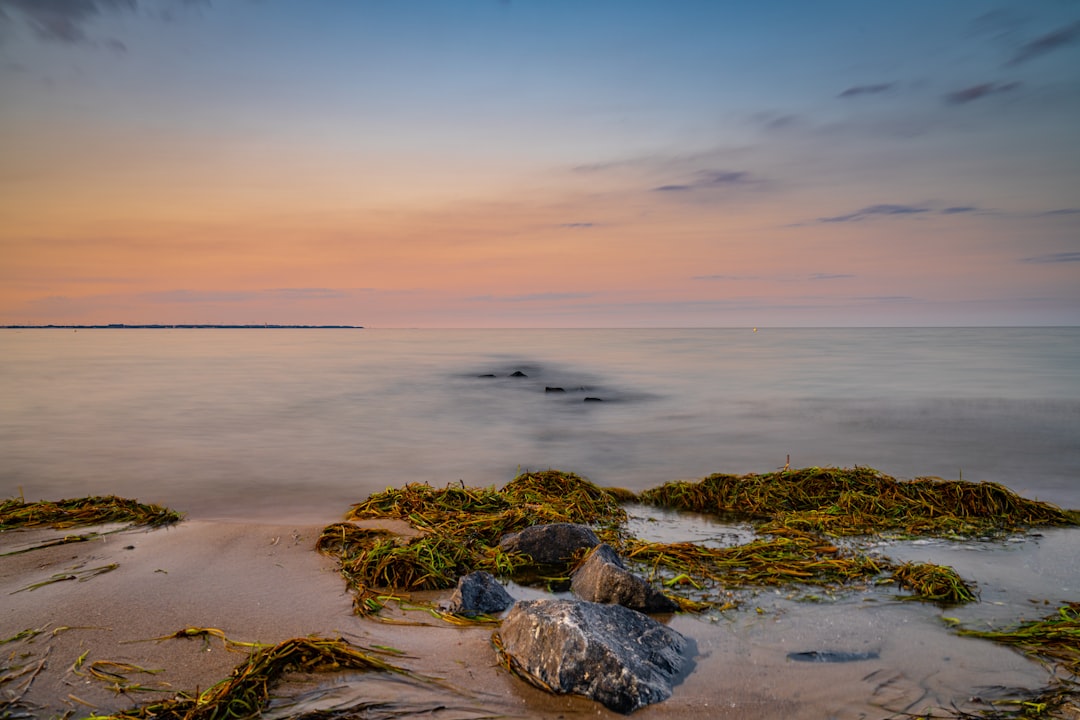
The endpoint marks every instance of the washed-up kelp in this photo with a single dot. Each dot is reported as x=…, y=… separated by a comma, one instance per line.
x=61, y=514
x=244, y=694
x=460, y=528
x=800, y=558
x=1055, y=638
x=860, y=501
x=936, y=583
x=459, y=531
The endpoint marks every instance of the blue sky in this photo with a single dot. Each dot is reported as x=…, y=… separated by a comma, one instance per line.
x=540, y=163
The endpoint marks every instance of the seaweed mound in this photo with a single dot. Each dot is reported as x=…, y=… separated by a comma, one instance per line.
x=860, y=501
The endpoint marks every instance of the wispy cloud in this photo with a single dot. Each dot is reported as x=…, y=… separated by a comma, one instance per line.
x=1052, y=258
x=722, y=278
x=875, y=210
x=532, y=297
x=707, y=179
x=1063, y=211
x=306, y=293
x=228, y=296
x=978, y=92
x=1049, y=42
x=62, y=20
x=886, y=298
x=66, y=20
x=198, y=296
x=959, y=210
x=830, y=276
x=577, y=225
x=859, y=90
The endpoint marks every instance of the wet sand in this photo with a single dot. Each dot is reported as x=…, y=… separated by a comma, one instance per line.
x=264, y=583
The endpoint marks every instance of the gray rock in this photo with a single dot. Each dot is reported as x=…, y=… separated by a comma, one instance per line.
x=478, y=593
x=603, y=578
x=609, y=653
x=553, y=544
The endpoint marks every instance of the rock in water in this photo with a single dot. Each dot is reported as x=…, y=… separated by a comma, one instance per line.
x=609, y=653
x=553, y=544
x=478, y=593
x=603, y=578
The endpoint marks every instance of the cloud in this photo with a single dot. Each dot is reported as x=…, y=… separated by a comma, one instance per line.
x=959, y=209
x=306, y=293
x=977, y=92
x=706, y=179
x=858, y=90
x=532, y=297
x=713, y=278
x=872, y=210
x=577, y=225
x=1047, y=43
x=62, y=20
x=886, y=298
x=230, y=296
x=1053, y=258
x=198, y=296
x=830, y=276
x=777, y=121
x=1063, y=211
x=66, y=20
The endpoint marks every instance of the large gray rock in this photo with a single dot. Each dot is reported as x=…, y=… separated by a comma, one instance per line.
x=609, y=653
x=603, y=578
x=478, y=593
x=553, y=544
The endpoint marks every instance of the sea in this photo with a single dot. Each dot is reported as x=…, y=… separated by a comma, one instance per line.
x=298, y=424
x=293, y=426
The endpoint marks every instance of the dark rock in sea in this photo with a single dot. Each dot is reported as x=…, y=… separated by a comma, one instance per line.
x=487, y=375
x=553, y=544
x=478, y=593
x=609, y=653
x=593, y=399
x=554, y=389
x=518, y=373
x=603, y=578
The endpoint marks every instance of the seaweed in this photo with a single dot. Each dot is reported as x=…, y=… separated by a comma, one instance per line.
x=62, y=514
x=1055, y=638
x=459, y=531
x=801, y=558
x=795, y=512
x=936, y=583
x=860, y=501
x=244, y=694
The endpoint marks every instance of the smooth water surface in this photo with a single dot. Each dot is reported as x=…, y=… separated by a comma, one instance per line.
x=297, y=424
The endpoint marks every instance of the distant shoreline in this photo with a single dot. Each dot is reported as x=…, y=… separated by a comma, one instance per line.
x=185, y=326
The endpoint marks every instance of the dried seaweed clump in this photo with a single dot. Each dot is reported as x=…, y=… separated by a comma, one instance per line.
x=1055, y=638
x=797, y=558
x=935, y=583
x=860, y=501
x=61, y=514
x=244, y=694
x=460, y=528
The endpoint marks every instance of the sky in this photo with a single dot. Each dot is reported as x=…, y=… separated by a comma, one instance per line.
x=540, y=163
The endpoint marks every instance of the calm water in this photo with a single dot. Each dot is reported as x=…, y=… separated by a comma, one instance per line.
x=298, y=424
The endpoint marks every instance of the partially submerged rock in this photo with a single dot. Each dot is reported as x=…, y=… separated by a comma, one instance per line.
x=609, y=653
x=603, y=578
x=478, y=593
x=552, y=544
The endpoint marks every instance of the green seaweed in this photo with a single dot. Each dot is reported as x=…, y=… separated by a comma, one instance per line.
x=860, y=501
x=62, y=514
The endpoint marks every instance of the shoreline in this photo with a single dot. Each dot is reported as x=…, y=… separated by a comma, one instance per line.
x=265, y=583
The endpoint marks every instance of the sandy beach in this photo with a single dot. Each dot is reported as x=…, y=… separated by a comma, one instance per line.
x=265, y=583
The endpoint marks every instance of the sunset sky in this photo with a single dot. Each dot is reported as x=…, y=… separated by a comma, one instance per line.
x=549, y=163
